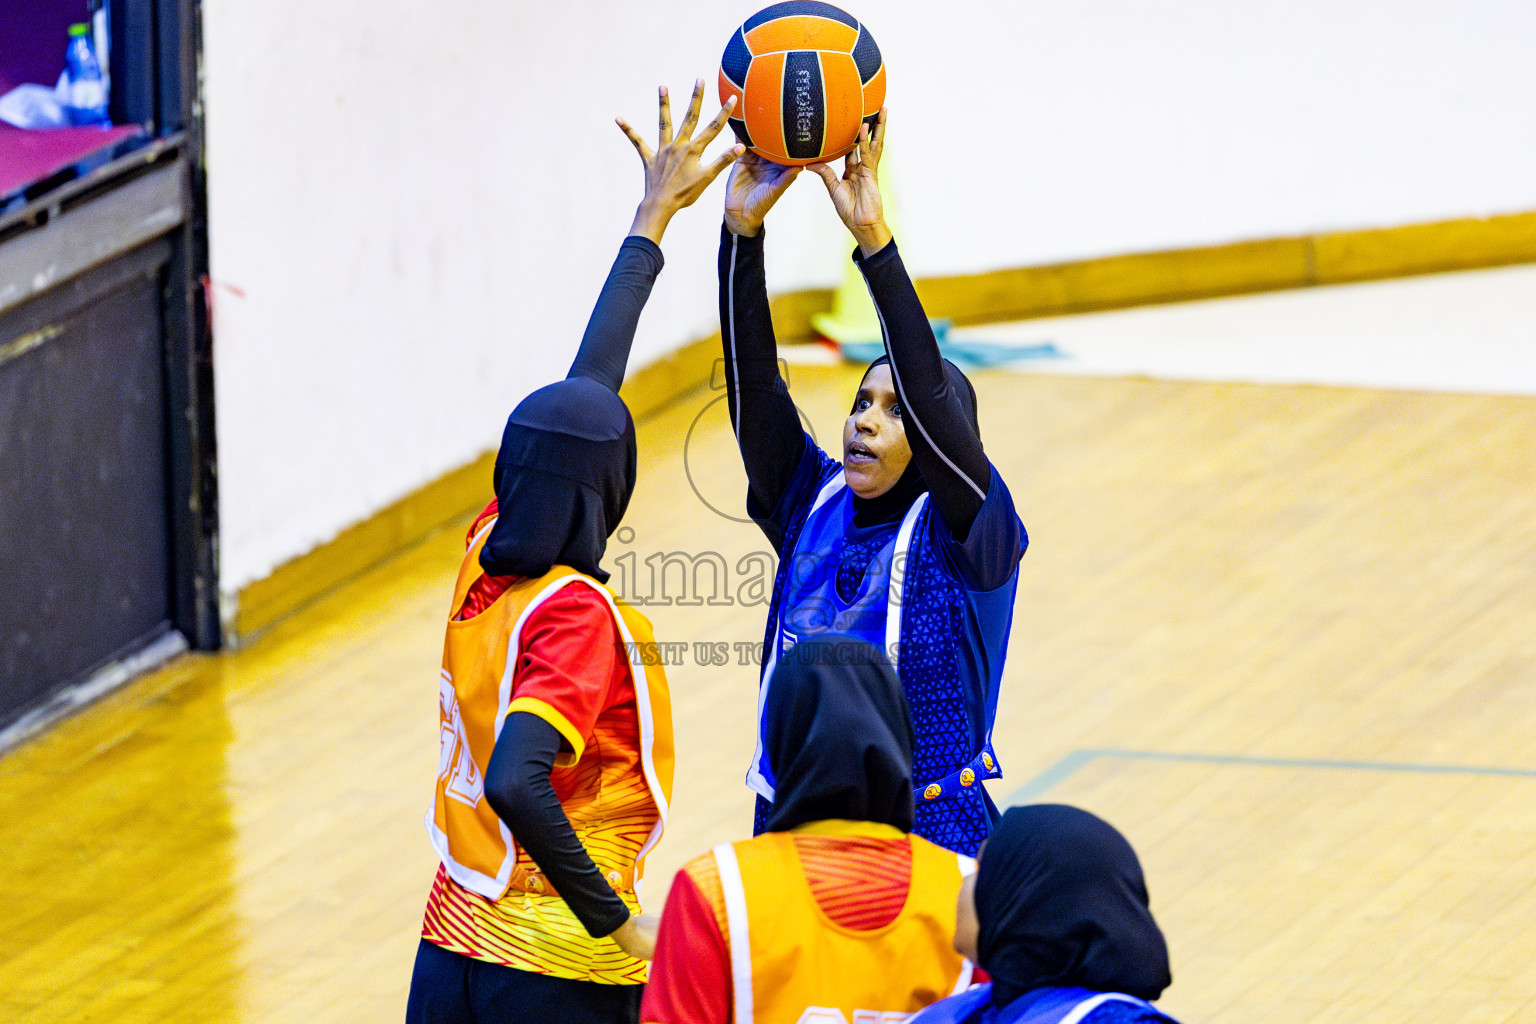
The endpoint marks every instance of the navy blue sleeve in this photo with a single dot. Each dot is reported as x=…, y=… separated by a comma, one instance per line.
x=807, y=479
x=763, y=417
x=988, y=555
x=604, y=351
x=944, y=445
x=518, y=788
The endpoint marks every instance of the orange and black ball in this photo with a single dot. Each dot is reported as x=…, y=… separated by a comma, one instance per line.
x=805, y=75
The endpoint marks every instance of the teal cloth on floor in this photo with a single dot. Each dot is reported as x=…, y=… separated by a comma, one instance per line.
x=961, y=351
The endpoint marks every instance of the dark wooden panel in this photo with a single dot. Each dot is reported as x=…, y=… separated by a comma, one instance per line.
x=84, y=537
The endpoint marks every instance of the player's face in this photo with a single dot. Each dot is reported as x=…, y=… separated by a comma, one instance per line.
x=875, y=449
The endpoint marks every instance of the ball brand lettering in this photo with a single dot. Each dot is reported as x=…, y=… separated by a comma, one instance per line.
x=803, y=112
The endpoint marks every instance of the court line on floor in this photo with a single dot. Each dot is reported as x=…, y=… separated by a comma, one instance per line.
x=1075, y=761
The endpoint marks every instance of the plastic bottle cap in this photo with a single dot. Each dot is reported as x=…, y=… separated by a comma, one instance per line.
x=81, y=29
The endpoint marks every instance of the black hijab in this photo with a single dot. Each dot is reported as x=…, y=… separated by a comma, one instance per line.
x=1061, y=901
x=893, y=504
x=839, y=736
x=564, y=475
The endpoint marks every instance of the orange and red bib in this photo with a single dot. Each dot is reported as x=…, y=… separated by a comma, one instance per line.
x=490, y=900
x=791, y=964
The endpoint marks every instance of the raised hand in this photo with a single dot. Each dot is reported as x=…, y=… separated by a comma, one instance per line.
x=675, y=174
x=856, y=194
x=754, y=186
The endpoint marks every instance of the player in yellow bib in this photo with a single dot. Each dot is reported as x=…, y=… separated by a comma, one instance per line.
x=556, y=743
x=835, y=914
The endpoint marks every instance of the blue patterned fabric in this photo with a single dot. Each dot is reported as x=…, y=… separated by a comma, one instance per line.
x=1042, y=1006
x=833, y=577
x=953, y=824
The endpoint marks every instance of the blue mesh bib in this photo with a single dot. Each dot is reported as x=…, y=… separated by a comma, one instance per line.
x=889, y=586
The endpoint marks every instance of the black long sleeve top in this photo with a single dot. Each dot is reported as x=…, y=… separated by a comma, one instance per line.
x=945, y=447
x=604, y=351
x=519, y=789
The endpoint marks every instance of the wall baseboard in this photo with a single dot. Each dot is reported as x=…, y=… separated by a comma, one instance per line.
x=1022, y=293
x=1238, y=268
x=125, y=667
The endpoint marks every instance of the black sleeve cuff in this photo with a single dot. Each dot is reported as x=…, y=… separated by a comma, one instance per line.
x=652, y=251
x=726, y=234
x=884, y=256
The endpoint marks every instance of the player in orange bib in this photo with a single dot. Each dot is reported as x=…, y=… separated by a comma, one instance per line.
x=556, y=756
x=835, y=914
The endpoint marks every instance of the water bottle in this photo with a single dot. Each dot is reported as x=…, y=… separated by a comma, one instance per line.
x=87, y=89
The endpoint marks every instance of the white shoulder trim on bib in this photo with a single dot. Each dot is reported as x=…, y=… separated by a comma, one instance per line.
x=1087, y=1006
x=740, y=937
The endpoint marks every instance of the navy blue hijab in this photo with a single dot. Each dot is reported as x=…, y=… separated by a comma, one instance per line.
x=839, y=736
x=893, y=504
x=564, y=475
x=1061, y=901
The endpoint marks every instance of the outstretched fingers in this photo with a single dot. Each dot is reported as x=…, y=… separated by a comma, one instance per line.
x=714, y=127
x=723, y=161
x=665, y=118
x=635, y=139
x=691, y=119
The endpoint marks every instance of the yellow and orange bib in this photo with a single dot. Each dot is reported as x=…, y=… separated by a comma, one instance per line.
x=507, y=913
x=791, y=964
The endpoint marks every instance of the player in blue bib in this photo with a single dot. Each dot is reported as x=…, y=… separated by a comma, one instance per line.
x=910, y=541
x=1057, y=913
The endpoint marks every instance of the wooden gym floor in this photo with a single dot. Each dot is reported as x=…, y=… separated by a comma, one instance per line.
x=1284, y=637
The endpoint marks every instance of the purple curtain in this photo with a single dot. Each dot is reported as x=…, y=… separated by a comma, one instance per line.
x=32, y=38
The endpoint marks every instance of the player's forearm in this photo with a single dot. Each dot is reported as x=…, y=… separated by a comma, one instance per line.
x=604, y=352
x=944, y=445
x=763, y=416
x=651, y=220
x=518, y=788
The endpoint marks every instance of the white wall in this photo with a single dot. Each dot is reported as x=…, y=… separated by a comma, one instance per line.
x=412, y=205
